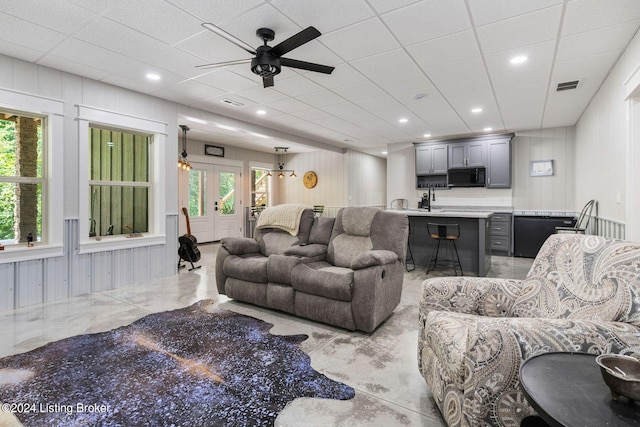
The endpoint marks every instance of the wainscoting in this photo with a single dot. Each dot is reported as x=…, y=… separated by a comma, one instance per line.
x=52, y=279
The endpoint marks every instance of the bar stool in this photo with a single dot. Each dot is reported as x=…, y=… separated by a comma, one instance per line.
x=448, y=233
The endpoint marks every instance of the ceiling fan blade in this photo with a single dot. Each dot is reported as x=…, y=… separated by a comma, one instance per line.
x=224, y=64
x=294, y=41
x=310, y=66
x=233, y=39
x=267, y=81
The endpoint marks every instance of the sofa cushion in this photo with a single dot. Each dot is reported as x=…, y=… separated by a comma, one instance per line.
x=250, y=268
x=371, y=258
x=240, y=245
x=275, y=242
x=307, y=251
x=321, y=230
x=323, y=279
x=357, y=220
x=345, y=248
x=280, y=267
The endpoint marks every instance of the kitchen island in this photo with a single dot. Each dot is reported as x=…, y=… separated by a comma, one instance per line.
x=474, y=244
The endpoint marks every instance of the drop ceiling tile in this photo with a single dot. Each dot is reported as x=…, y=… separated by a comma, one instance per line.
x=343, y=75
x=312, y=12
x=163, y=21
x=359, y=40
x=63, y=17
x=427, y=20
x=216, y=12
x=196, y=90
x=596, y=41
x=405, y=86
x=537, y=54
x=261, y=95
x=577, y=68
x=586, y=15
x=226, y=80
x=385, y=64
x=532, y=28
x=523, y=77
x=90, y=55
x=65, y=64
x=118, y=38
x=27, y=34
x=297, y=85
x=466, y=87
x=212, y=48
x=321, y=98
x=289, y=105
x=21, y=52
x=312, y=114
x=464, y=70
x=488, y=11
x=357, y=91
x=382, y=6
x=444, y=50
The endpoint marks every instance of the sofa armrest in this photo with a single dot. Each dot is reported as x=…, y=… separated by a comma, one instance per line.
x=373, y=258
x=240, y=245
x=472, y=295
x=306, y=251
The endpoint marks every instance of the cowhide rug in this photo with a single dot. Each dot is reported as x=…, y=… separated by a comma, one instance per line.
x=196, y=366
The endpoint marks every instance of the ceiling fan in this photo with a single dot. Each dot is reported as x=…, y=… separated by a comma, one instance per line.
x=267, y=61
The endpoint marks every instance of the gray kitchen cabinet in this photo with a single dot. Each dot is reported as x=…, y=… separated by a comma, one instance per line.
x=501, y=233
x=432, y=159
x=499, y=163
x=467, y=154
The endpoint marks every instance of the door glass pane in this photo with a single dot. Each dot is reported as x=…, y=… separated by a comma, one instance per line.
x=227, y=193
x=197, y=192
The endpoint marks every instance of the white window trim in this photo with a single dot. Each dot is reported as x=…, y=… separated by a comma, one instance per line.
x=91, y=116
x=53, y=207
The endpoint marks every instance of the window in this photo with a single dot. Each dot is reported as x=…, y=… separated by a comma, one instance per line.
x=259, y=187
x=123, y=160
x=118, y=182
x=21, y=178
x=31, y=179
x=197, y=192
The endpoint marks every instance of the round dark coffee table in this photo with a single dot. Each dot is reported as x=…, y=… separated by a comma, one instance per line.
x=567, y=389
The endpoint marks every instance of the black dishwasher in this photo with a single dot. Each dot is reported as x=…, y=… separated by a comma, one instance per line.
x=530, y=232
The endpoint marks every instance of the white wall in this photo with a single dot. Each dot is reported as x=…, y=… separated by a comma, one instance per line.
x=604, y=167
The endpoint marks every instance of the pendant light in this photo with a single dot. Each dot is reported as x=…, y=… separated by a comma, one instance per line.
x=281, y=160
x=182, y=159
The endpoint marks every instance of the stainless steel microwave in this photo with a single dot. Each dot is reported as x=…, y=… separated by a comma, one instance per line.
x=467, y=177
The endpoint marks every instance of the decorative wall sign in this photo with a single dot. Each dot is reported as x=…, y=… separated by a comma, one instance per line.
x=310, y=179
x=541, y=168
x=212, y=150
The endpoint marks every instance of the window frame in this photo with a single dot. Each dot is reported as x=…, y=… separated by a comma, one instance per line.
x=92, y=116
x=52, y=112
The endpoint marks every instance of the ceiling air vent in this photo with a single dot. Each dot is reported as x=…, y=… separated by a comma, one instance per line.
x=231, y=102
x=567, y=85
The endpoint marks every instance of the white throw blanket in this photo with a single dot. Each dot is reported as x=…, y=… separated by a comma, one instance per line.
x=284, y=217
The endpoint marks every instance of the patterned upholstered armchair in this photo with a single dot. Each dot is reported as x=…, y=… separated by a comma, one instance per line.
x=582, y=294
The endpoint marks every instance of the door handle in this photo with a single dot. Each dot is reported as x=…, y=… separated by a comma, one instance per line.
x=216, y=206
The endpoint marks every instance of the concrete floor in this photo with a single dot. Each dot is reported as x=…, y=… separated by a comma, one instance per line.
x=382, y=366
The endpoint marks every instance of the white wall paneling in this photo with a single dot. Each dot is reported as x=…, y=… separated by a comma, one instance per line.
x=7, y=294
x=29, y=276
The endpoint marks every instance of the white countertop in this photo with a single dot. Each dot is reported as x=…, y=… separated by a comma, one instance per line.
x=444, y=213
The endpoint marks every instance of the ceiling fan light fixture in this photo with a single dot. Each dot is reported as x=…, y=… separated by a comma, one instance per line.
x=264, y=64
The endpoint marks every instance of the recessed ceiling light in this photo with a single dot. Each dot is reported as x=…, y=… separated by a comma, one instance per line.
x=384, y=152
x=476, y=110
x=518, y=59
x=487, y=129
x=426, y=135
x=261, y=112
x=153, y=76
x=259, y=135
x=403, y=120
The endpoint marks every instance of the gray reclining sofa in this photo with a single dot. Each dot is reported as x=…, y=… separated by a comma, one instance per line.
x=346, y=271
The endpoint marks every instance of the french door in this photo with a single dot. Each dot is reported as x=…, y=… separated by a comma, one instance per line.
x=212, y=194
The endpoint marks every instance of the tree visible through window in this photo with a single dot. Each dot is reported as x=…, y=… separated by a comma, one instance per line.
x=21, y=178
x=259, y=187
x=119, y=182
